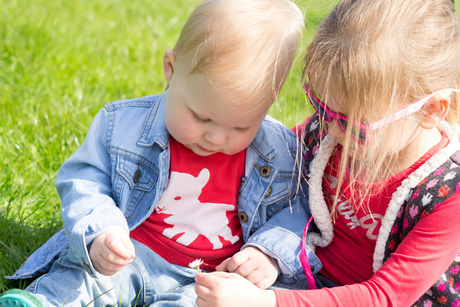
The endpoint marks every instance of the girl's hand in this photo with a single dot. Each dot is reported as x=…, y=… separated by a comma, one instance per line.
x=253, y=265
x=111, y=251
x=219, y=289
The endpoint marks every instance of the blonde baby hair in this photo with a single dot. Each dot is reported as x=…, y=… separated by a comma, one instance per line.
x=249, y=45
x=381, y=55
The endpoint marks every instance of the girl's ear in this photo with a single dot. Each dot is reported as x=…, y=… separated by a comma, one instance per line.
x=435, y=110
x=169, y=59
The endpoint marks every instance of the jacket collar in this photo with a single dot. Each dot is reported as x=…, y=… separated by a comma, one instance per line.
x=260, y=145
x=154, y=130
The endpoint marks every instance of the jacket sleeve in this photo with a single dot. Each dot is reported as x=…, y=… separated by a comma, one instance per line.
x=84, y=185
x=280, y=236
x=280, y=239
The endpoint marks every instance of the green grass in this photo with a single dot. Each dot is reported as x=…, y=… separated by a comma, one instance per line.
x=60, y=62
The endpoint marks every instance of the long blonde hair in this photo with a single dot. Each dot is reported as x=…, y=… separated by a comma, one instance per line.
x=249, y=44
x=380, y=55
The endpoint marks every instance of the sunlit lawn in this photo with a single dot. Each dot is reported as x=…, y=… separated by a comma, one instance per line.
x=60, y=62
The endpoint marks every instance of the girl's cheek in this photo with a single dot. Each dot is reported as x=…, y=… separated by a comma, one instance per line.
x=334, y=130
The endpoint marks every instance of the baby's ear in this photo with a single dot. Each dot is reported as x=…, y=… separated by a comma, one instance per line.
x=435, y=110
x=169, y=58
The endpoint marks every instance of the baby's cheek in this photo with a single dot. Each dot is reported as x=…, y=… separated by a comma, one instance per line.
x=179, y=130
x=241, y=142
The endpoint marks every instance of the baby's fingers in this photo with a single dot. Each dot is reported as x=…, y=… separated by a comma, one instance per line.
x=223, y=266
x=236, y=262
x=261, y=280
x=129, y=246
x=108, y=263
x=113, y=258
x=121, y=246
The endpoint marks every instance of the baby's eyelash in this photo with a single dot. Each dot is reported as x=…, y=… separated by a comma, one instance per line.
x=241, y=129
x=201, y=120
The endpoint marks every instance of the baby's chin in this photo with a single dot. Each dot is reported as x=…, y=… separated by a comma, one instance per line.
x=201, y=151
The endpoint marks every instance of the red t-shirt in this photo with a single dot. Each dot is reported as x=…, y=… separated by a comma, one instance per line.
x=414, y=267
x=196, y=216
x=355, y=232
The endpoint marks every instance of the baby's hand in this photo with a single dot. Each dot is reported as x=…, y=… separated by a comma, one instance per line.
x=111, y=251
x=253, y=265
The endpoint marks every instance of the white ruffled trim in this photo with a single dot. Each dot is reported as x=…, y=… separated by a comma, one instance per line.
x=398, y=197
x=319, y=208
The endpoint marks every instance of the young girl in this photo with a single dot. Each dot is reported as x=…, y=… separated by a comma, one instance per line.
x=382, y=161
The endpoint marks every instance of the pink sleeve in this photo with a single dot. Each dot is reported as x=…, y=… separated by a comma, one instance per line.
x=418, y=262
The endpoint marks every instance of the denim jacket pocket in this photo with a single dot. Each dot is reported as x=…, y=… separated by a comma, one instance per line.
x=276, y=198
x=134, y=179
x=278, y=193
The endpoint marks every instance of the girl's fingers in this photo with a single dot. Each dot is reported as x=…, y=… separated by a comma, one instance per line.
x=209, y=280
x=202, y=291
x=203, y=279
x=200, y=302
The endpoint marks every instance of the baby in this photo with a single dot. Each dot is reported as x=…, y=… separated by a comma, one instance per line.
x=198, y=172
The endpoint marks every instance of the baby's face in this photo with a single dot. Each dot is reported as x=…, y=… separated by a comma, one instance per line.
x=204, y=120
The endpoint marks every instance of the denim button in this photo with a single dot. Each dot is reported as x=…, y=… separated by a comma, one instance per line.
x=269, y=192
x=243, y=216
x=264, y=171
x=137, y=176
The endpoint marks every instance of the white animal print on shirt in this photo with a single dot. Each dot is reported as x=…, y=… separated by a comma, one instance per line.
x=189, y=216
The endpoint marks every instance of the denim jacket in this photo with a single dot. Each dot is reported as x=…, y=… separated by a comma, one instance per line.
x=116, y=178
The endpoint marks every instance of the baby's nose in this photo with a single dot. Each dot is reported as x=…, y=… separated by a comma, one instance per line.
x=217, y=136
